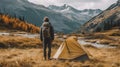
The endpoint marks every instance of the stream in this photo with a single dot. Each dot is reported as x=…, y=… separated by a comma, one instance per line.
x=83, y=42
x=18, y=34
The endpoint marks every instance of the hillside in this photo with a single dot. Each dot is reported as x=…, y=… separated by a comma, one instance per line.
x=10, y=23
x=105, y=20
x=35, y=13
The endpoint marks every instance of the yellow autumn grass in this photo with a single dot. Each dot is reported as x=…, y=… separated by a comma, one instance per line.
x=110, y=37
x=18, y=42
x=28, y=52
x=33, y=57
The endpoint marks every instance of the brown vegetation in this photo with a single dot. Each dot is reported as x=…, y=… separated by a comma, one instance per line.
x=16, y=24
x=11, y=41
x=33, y=57
x=110, y=37
x=20, y=51
x=19, y=42
x=27, y=52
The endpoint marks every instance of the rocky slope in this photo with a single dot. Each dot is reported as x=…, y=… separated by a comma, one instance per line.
x=105, y=20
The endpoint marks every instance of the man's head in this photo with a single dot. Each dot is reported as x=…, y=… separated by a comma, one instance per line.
x=46, y=19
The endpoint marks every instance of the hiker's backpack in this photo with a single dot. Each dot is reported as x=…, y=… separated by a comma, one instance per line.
x=46, y=29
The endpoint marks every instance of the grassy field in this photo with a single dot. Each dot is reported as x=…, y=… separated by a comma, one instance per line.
x=33, y=58
x=17, y=51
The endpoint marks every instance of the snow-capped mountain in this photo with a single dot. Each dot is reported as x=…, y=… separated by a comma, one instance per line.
x=67, y=8
x=64, y=8
x=80, y=15
x=66, y=21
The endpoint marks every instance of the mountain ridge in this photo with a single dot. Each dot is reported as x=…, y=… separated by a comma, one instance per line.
x=105, y=20
x=72, y=13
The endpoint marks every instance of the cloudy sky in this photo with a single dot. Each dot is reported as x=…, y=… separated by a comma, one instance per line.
x=79, y=4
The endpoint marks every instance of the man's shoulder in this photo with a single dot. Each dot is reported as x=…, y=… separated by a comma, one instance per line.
x=46, y=23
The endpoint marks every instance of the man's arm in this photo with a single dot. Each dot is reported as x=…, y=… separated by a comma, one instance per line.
x=52, y=33
x=41, y=34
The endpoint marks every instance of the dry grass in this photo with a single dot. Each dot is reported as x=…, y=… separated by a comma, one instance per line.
x=33, y=57
x=31, y=54
x=12, y=41
x=18, y=42
x=56, y=43
x=110, y=37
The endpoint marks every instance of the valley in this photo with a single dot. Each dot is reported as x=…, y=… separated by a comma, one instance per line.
x=96, y=30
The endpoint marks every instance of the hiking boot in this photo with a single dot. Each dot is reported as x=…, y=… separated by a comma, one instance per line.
x=49, y=59
x=44, y=58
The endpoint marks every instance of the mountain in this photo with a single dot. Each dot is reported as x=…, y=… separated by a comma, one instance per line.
x=81, y=16
x=32, y=13
x=35, y=13
x=105, y=20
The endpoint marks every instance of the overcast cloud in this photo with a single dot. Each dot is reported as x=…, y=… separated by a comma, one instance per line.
x=79, y=4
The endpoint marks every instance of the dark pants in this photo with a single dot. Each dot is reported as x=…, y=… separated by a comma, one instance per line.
x=47, y=44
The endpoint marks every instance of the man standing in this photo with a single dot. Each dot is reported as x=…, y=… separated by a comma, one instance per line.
x=46, y=36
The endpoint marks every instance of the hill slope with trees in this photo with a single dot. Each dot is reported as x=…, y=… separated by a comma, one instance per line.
x=104, y=21
x=9, y=23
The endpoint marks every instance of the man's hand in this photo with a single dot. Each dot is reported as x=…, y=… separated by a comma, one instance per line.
x=51, y=41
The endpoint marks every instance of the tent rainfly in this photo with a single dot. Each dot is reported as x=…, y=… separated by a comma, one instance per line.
x=70, y=49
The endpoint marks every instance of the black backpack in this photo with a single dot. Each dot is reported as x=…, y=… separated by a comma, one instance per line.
x=46, y=29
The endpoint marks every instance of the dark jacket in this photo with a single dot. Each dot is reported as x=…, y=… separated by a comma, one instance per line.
x=51, y=33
